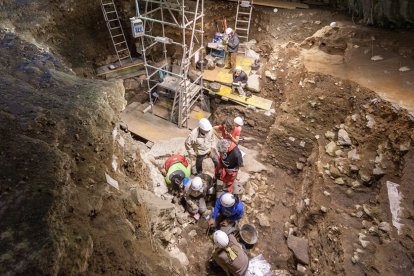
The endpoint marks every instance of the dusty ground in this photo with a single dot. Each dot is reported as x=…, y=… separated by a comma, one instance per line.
x=68, y=220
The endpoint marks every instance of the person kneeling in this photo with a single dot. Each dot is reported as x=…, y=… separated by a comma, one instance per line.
x=228, y=210
x=194, y=198
x=229, y=254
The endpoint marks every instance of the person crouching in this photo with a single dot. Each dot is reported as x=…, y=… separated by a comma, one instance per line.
x=229, y=254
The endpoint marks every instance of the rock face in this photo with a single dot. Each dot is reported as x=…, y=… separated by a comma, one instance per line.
x=161, y=213
x=299, y=247
x=58, y=136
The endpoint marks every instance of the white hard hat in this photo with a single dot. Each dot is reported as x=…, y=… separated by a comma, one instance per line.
x=239, y=68
x=228, y=200
x=220, y=239
x=197, y=184
x=205, y=124
x=238, y=121
x=229, y=30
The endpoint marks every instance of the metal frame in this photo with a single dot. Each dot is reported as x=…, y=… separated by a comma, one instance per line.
x=174, y=14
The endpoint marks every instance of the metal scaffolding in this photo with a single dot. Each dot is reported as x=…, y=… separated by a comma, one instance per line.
x=158, y=17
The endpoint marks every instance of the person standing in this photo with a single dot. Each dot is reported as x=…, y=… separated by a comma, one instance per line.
x=229, y=254
x=232, y=41
x=230, y=130
x=200, y=143
x=229, y=162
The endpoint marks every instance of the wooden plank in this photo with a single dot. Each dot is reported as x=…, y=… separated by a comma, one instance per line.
x=255, y=101
x=149, y=126
x=278, y=4
x=223, y=76
x=104, y=70
x=126, y=75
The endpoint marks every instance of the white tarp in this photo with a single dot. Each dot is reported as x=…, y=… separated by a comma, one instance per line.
x=258, y=266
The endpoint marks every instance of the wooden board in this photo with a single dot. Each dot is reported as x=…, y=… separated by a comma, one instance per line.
x=278, y=4
x=128, y=67
x=149, y=126
x=223, y=76
x=258, y=102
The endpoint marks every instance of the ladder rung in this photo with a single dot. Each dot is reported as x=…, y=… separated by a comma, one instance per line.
x=113, y=20
x=125, y=57
x=120, y=43
x=114, y=28
x=247, y=13
x=122, y=50
x=243, y=36
x=117, y=35
x=243, y=29
x=108, y=12
x=106, y=4
x=243, y=21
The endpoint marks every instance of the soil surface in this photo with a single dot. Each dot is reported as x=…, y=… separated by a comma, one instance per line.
x=341, y=131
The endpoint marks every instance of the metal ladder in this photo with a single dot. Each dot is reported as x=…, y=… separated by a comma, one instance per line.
x=115, y=30
x=243, y=18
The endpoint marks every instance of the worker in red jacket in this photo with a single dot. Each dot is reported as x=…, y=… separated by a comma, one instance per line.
x=229, y=162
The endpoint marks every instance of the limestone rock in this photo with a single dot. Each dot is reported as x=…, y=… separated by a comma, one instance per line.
x=353, y=155
x=370, y=121
x=263, y=220
x=330, y=135
x=253, y=83
x=192, y=233
x=353, y=168
x=378, y=171
x=339, y=181
x=270, y=75
x=300, y=166
x=331, y=148
x=176, y=253
x=385, y=227
x=299, y=247
x=365, y=177
x=343, y=138
x=334, y=172
x=405, y=146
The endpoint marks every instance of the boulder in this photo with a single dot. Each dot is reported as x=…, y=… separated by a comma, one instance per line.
x=176, y=253
x=161, y=213
x=253, y=83
x=299, y=247
x=343, y=138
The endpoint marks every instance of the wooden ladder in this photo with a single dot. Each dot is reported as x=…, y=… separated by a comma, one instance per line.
x=243, y=19
x=115, y=30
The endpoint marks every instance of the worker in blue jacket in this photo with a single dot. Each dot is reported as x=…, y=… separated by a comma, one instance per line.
x=227, y=211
